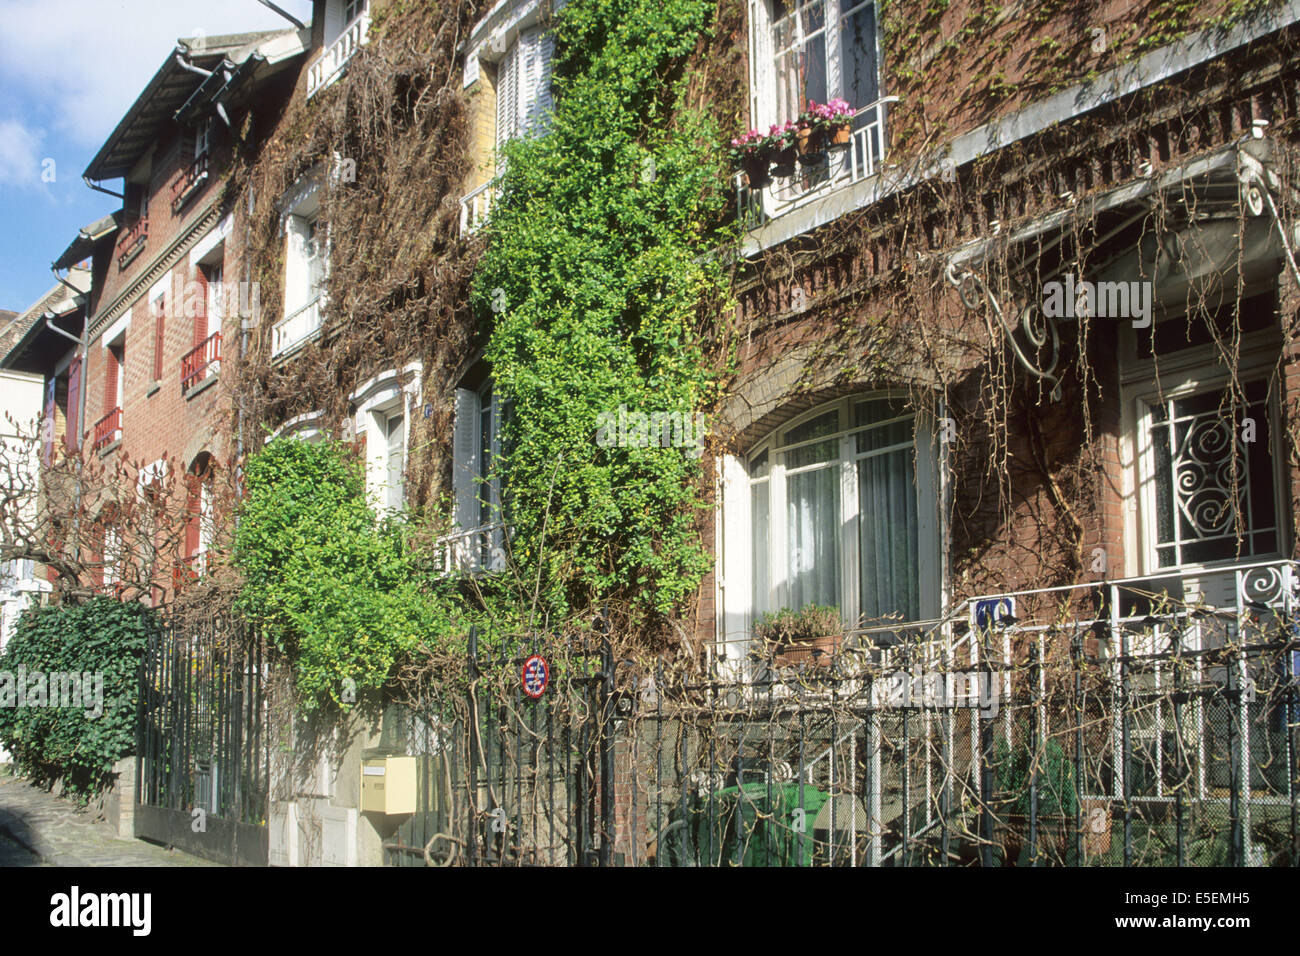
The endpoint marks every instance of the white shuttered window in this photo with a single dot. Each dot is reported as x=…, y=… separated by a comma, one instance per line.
x=524, y=87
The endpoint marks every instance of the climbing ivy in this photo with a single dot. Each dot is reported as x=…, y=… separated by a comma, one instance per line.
x=337, y=588
x=595, y=273
x=52, y=730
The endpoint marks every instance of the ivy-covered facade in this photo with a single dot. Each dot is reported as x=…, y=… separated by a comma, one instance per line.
x=1026, y=325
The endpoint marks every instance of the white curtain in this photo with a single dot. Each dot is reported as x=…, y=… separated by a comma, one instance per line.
x=887, y=541
x=813, y=509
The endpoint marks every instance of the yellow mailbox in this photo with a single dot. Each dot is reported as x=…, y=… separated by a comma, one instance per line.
x=388, y=785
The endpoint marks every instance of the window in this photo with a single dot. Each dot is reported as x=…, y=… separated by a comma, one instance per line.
x=1203, y=478
x=353, y=9
x=305, y=271
x=382, y=427
x=812, y=62
x=524, y=87
x=203, y=137
x=1212, y=489
x=840, y=507
x=817, y=50
x=476, y=480
x=395, y=460
x=199, y=521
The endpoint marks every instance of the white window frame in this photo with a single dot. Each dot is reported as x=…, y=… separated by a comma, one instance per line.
x=1183, y=374
x=736, y=600
x=304, y=288
x=377, y=401
x=472, y=533
x=764, y=108
x=523, y=101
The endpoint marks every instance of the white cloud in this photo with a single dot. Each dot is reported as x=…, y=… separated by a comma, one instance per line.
x=20, y=154
x=81, y=63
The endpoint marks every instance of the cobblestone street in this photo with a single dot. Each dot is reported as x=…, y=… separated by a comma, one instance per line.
x=40, y=829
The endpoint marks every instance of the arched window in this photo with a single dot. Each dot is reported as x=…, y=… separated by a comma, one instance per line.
x=199, y=482
x=840, y=507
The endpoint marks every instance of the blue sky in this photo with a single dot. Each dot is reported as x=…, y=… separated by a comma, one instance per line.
x=69, y=69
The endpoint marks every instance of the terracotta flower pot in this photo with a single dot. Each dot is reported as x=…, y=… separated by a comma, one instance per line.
x=819, y=651
x=756, y=171
x=811, y=143
x=842, y=135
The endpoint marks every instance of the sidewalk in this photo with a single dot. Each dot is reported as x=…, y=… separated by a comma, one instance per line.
x=39, y=829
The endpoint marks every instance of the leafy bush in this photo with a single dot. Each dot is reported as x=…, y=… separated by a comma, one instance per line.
x=103, y=638
x=336, y=588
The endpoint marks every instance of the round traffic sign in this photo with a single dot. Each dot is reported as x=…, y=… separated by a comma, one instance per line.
x=536, y=675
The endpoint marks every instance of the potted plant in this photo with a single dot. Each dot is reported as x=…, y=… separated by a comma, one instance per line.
x=752, y=154
x=837, y=116
x=784, y=149
x=810, y=135
x=811, y=635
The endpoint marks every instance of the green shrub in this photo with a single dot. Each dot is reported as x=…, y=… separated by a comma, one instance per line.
x=103, y=638
x=334, y=587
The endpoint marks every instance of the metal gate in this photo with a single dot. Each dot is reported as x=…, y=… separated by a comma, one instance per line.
x=507, y=780
x=202, y=761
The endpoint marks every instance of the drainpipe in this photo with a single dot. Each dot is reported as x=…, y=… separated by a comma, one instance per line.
x=83, y=346
x=100, y=189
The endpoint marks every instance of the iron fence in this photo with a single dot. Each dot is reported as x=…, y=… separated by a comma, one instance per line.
x=203, y=757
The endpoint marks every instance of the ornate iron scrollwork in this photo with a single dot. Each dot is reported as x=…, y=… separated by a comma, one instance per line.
x=1038, y=328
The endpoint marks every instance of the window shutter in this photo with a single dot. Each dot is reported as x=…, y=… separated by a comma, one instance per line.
x=201, y=315
x=72, y=437
x=159, y=332
x=396, y=462
x=333, y=20
x=538, y=49
x=110, y=380
x=507, y=98
x=465, y=459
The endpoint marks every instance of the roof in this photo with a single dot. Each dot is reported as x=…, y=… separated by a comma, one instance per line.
x=20, y=331
x=87, y=237
x=173, y=85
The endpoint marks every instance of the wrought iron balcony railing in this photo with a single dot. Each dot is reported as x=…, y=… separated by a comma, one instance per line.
x=835, y=169
x=476, y=551
x=475, y=207
x=189, y=181
x=108, y=429
x=201, y=362
x=132, y=242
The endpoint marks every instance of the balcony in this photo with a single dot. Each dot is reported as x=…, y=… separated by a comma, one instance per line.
x=295, y=329
x=329, y=65
x=188, y=182
x=108, y=430
x=476, y=551
x=201, y=363
x=475, y=207
x=132, y=242
x=836, y=169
